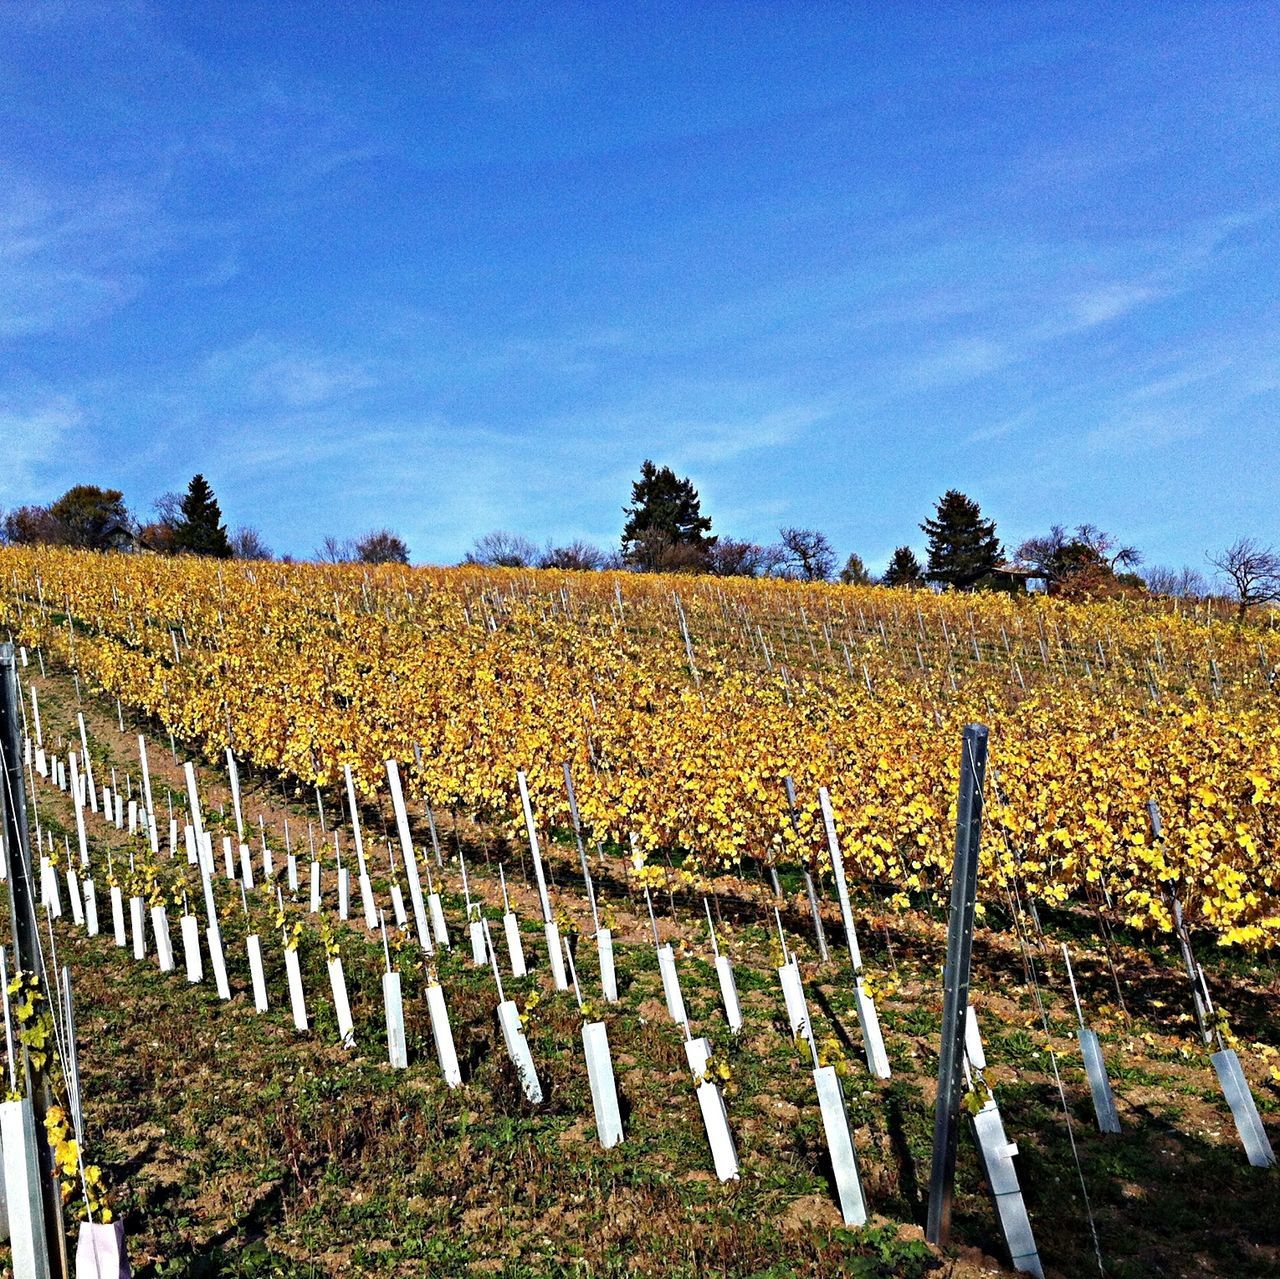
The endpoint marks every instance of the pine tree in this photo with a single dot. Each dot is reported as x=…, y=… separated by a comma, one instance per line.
x=904, y=569
x=199, y=529
x=665, y=527
x=855, y=572
x=963, y=548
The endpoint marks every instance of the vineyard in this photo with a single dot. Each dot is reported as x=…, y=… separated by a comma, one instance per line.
x=681, y=705
x=689, y=755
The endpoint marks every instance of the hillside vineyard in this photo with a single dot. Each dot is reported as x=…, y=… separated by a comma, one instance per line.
x=681, y=704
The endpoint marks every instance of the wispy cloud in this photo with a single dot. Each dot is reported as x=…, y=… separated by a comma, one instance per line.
x=156, y=201
x=693, y=442
x=63, y=257
x=1127, y=434
x=1107, y=303
x=264, y=371
x=35, y=436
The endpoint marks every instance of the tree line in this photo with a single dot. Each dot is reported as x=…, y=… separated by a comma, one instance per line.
x=96, y=519
x=665, y=530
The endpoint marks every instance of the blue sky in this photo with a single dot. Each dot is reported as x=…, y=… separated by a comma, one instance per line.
x=458, y=268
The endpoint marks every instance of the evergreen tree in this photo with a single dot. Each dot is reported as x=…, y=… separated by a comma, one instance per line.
x=855, y=572
x=963, y=547
x=199, y=529
x=665, y=527
x=904, y=569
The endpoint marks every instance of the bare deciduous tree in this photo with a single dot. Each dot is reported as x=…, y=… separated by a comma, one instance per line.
x=809, y=555
x=248, y=544
x=731, y=557
x=1175, y=583
x=1253, y=571
x=578, y=556
x=382, y=546
x=168, y=509
x=1058, y=554
x=1190, y=584
x=334, y=550
x=501, y=549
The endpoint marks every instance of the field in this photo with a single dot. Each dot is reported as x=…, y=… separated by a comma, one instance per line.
x=231, y=1143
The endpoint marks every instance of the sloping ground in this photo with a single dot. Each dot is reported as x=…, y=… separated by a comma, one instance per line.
x=239, y=1147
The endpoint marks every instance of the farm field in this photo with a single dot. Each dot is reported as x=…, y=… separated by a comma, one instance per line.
x=232, y=1143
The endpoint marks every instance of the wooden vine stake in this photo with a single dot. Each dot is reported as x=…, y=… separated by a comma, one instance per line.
x=475, y=929
x=90, y=790
x=293, y=971
x=436, y=907
x=203, y=844
x=724, y=973
x=50, y=899
x=77, y=803
x=233, y=775
x=268, y=866
x=667, y=970
x=367, y=900
x=409, y=857
x=595, y=1049
x=291, y=860
x=511, y=928
x=73, y=891
x=604, y=936
x=513, y=1032
x=715, y=1118
x=397, y=897
x=608, y=972
x=41, y=763
x=872, y=1039
x=792, y=991
x=548, y=920
x=344, y=882
x=393, y=1002
x=315, y=885
x=819, y=934
x=835, y=1125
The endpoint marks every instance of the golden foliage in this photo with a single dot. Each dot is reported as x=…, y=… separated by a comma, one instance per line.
x=1093, y=709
